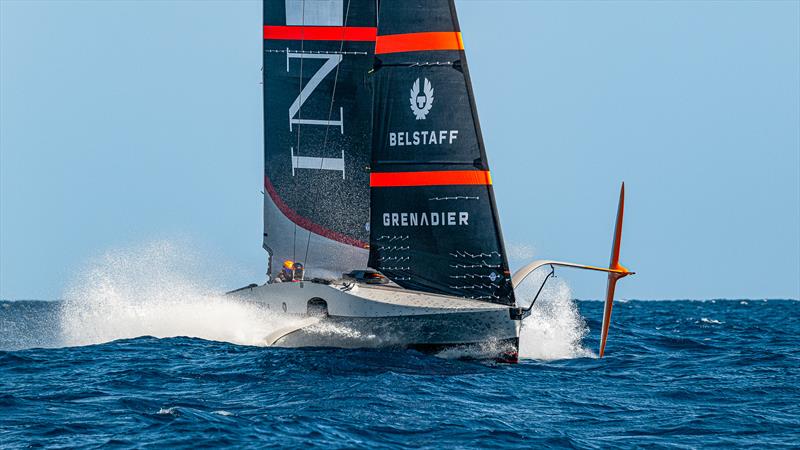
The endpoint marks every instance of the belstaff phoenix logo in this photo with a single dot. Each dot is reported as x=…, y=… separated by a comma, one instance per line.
x=421, y=104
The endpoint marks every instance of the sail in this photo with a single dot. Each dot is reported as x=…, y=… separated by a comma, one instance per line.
x=434, y=224
x=317, y=130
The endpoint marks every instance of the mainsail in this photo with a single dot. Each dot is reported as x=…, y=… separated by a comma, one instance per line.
x=317, y=132
x=434, y=224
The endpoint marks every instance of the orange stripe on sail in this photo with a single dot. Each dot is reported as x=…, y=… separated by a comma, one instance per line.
x=317, y=33
x=417, y=42
x=440, y=178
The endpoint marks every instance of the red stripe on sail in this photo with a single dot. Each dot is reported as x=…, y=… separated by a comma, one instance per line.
x=300, y=33
x=306, y=223
x=440, y=178
x=417, y=42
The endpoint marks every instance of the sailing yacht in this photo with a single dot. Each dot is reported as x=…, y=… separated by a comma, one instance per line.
x=377, y=183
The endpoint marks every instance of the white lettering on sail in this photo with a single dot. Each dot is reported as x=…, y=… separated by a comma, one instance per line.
x=313, y=162
x=321, y=13
x=333, y=60
x=435, y=219
x=413, y=138
x=316, y=163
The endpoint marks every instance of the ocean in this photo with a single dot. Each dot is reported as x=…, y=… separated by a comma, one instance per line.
x=114, y=371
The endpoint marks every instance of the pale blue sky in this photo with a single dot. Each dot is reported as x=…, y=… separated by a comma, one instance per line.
x=127, y=122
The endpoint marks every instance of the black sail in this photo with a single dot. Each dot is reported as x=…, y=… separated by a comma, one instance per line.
x=317, y=132
x=434, y=224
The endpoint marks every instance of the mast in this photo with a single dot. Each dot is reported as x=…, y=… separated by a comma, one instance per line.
x=434, y=223
x=317, y=129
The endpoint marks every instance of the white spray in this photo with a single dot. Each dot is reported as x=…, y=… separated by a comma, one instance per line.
x=160, y=290
x=555, y=329
x=157, y=290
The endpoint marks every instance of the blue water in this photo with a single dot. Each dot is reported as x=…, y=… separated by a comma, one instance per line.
x=676, y=374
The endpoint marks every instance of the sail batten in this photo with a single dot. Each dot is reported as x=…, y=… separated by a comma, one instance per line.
x=431, y=189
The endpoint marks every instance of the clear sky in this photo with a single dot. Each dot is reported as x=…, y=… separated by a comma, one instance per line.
x=127, y=122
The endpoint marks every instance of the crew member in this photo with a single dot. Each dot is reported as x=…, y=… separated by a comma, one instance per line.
x=297, y=272
x=287, y=273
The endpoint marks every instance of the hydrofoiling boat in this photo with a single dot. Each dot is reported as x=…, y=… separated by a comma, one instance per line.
x=375, y=167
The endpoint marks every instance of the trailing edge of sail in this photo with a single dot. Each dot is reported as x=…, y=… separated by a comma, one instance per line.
x=434, y=224
x=317, y=131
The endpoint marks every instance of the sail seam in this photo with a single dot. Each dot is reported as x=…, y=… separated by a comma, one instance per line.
x=314, y=52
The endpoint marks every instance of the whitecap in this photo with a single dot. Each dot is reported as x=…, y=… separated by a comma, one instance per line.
x=707, y=320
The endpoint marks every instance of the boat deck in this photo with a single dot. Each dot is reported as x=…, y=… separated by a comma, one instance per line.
x=404, y=297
